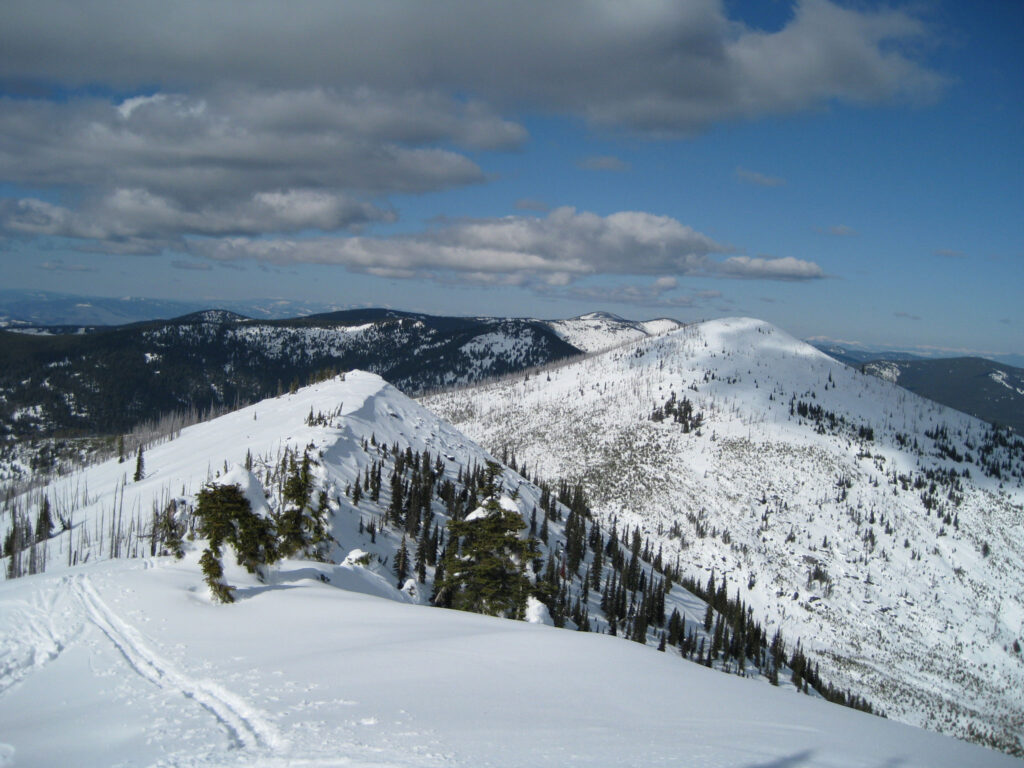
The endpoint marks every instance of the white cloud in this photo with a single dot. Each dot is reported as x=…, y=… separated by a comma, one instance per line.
x=650, y=66
x=666, y=282
x=768, y=268
x=135, y=220
x=156, y=168
x=555, y=250
x=222, y=144
x=267, y=120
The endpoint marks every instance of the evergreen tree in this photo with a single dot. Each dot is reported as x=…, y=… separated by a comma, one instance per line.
x=169, y=532
x=298, y=526
x=225, y=516
x=485, y=563
x=44, y=522
x=402, y=563
x=140, y=466
x=422, y=547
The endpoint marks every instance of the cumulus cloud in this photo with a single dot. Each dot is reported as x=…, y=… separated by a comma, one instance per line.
x=603, y=163
x=203, y=147
x=152, y=169
x=269, y=120
x=555, y=250
x=770, y=268
x=136, y=220
x=758, y=179
x=649, y=66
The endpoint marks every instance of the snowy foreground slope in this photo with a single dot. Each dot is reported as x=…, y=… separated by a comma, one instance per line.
x=132, y=665
x=881, y=529
x=127, y=661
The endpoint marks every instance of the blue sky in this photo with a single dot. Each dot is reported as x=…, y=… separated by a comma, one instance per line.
x=846, y=170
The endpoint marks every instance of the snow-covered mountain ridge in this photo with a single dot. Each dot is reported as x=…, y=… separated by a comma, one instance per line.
x=598, y=331
x=327, y=662
x=78, y=380
x=880, y=528
x=110, y=380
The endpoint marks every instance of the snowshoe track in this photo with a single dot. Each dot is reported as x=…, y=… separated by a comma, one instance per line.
x=246, y=725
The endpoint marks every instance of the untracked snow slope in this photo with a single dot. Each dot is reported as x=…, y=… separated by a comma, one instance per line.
x=880, y=528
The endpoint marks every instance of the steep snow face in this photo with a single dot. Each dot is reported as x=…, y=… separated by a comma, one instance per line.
x=858, y=517
x=599, y=331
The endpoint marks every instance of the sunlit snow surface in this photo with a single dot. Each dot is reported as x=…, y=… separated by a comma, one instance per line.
x=921, y=621
x=598, y=331
x=128, y=663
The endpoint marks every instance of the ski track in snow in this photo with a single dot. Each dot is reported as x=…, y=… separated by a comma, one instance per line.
x=39, y=639
x=246, y=725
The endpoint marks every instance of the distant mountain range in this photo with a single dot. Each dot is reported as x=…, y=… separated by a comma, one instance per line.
x=982, y=388
x=81, y=376
x=990, y=390
x=48, y=308
x=856, y=355
x=74, y=379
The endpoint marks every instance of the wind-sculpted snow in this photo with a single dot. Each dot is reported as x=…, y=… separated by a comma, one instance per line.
x=880, y=528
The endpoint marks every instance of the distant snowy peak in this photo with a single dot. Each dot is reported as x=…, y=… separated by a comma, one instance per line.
x=598, y=331
x=875, y=525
